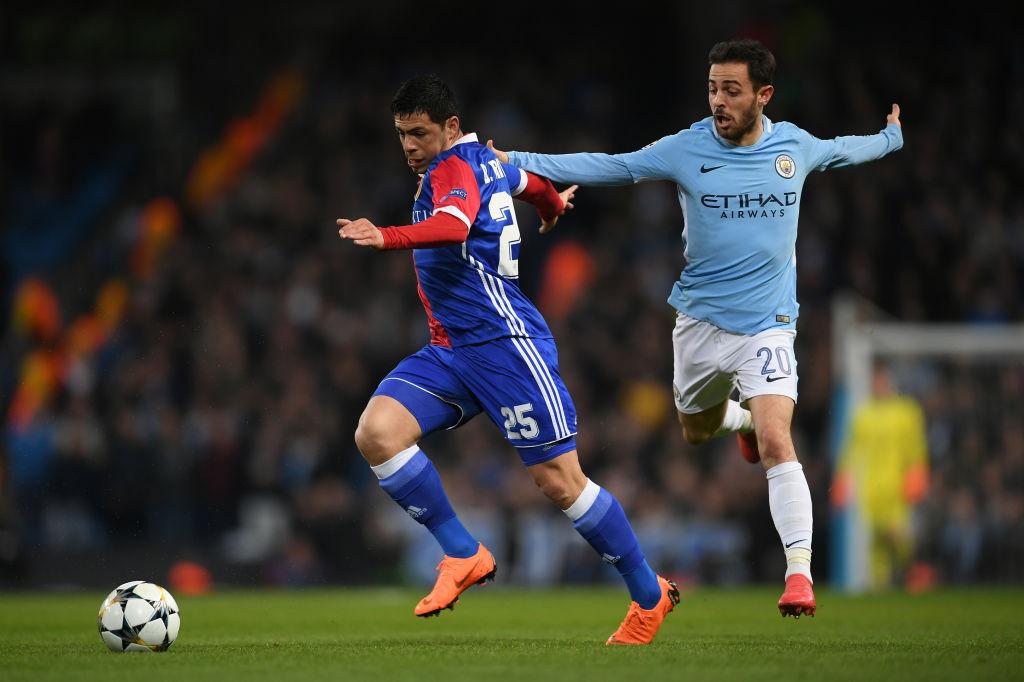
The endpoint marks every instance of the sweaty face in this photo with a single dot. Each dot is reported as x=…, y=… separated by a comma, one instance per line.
x=733, y=101
x=421, y=139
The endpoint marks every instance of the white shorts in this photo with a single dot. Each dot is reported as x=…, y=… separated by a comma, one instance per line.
x=710, y=361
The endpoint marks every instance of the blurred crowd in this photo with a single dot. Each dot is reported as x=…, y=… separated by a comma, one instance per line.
x=217, y=419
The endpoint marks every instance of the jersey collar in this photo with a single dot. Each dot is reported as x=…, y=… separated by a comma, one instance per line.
x=468, y=137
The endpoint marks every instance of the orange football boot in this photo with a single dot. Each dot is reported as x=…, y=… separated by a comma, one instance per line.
x=798, y=599
x=455, y=576
x=641, y=625
x=748, y=446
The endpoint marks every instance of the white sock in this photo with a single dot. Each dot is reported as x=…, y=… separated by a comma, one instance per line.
x=584, y=502
x=736, y=419
x=790, y=501
x=390, y=467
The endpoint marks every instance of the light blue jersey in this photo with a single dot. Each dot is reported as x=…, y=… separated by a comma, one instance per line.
x=740, y=209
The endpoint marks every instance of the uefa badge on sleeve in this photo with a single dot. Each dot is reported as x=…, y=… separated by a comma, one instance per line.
x=784, y=166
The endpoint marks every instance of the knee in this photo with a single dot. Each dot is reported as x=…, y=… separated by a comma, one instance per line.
x=775, y=446
x=377, y=440
x=368, y=437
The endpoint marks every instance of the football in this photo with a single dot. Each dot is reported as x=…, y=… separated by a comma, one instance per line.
x=139, y=616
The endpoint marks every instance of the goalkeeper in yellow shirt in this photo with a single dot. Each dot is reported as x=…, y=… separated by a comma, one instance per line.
x=885, y=465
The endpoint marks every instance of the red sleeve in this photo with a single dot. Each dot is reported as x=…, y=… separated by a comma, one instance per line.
x=456, y=203
x=441, y=229
x=455, y=190
x=543, y=195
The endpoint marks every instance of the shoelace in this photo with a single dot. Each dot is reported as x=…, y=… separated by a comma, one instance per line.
x=446, y=568
x=443, y=569
x=635, y=614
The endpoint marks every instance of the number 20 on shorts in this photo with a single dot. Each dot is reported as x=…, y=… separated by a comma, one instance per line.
x=781, y=359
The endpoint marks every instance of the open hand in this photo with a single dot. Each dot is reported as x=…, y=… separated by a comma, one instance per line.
x=502, y=156
x=567, y=196
x=362, y=232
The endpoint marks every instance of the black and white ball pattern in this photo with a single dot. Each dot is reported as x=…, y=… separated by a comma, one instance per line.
x=139, y=616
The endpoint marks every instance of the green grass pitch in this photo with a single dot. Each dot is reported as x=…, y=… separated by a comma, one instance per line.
x=495, y=635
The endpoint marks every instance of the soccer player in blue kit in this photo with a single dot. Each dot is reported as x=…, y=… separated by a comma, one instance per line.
x=739, y=178
x=490, y=351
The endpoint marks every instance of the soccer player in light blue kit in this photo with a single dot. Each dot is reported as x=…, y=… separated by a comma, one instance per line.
x=739, y=178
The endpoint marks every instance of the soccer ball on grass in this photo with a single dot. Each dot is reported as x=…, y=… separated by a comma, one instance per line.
x=139, y=616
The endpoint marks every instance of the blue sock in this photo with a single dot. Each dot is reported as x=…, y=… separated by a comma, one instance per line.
x=454, y=538
x=412, y=481
x=600, y=519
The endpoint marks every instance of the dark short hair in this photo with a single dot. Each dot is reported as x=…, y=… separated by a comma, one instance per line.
x=758, y=58
x=425, y=94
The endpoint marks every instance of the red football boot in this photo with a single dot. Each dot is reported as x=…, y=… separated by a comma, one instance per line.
x=798, y=599
x=748, y=446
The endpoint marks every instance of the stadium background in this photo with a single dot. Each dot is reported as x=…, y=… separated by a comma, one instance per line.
x=187, y=345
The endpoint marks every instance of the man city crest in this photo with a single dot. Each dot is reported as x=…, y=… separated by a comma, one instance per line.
x=785, y=166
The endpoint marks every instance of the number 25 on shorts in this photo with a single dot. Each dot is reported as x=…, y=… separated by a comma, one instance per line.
x=517, y=424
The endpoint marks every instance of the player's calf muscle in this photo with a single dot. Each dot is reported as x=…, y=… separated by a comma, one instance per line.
x=558, y=492
x=696, y=435
x=561, y=479
x=701, y=427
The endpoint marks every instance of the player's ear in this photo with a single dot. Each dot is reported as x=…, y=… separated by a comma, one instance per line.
x=764, y=94
x=453, y=128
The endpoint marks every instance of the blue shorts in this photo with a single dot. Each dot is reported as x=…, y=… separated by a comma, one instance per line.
x=514, y=380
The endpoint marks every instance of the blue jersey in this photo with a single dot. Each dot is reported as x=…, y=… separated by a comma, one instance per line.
x=740, y=209
x=470, y=290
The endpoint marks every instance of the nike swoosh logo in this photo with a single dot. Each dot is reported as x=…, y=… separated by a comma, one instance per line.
x=708, y=170
x=771, y=379
x=465, y=578
x=793, y=543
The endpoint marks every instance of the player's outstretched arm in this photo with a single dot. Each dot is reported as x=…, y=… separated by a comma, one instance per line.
x=595, y=169
x=854, y=149
x=362, y=232
x=440, y=229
